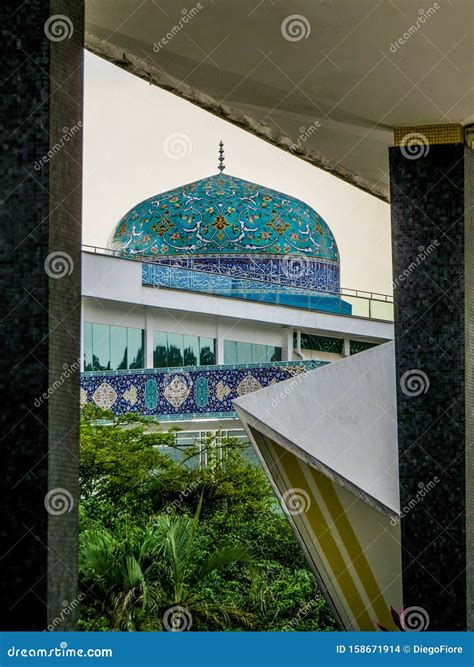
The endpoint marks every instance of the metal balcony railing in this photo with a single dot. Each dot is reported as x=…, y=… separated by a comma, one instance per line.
x=370, y=305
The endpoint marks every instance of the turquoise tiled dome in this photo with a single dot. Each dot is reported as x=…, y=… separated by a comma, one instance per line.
x=224, y=215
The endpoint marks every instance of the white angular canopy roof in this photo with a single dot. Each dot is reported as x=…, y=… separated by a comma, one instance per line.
x=330, y=79
x=341, y=420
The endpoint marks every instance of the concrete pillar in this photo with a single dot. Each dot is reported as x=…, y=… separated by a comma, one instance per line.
x=219, y=344
x=40, y=272
x=347, y=347
x=431, y=173
x=287, y=349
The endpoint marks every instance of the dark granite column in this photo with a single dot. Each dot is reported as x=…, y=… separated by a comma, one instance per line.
x=40, y=235
x=433, y=253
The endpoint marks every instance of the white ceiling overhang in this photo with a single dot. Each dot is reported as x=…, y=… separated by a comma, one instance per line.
x=327, y=80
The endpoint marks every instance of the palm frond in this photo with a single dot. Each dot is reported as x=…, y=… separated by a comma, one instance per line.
x=221, y=558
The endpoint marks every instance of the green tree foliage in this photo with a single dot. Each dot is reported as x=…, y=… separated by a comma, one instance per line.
x=138, y=576
x=159, y=534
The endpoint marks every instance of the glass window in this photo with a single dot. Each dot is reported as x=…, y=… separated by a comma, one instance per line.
x=259, y=353
x=113, y=348
x=160, y=351
x=135, y=348
x=321, y=343
x=175, y=349
x=191, y=350
x=230, y=352
x=249, y=353
x=356, y=346
x=101, y=347
x=118, y=348
x=88, y=346
x=207, y=355
x=244, y=353
x=273, y=353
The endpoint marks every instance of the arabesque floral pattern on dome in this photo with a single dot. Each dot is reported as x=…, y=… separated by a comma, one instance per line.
x=224, y=214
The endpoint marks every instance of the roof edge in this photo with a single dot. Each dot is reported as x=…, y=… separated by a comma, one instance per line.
x=158, y=77
x=248, y=420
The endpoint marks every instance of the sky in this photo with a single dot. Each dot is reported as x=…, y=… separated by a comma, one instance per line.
x=140, y=140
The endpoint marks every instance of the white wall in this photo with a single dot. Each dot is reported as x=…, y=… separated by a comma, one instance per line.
x=113, y=294
x=119, y=280
x=113, y=312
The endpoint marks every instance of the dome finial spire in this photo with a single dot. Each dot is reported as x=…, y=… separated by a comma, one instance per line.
x=221, y=165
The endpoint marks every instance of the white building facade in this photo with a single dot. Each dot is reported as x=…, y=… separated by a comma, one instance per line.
x=212, y=291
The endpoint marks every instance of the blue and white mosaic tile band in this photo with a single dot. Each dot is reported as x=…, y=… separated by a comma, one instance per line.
x=159, y=275
x=184, y=393
x=286, y=271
